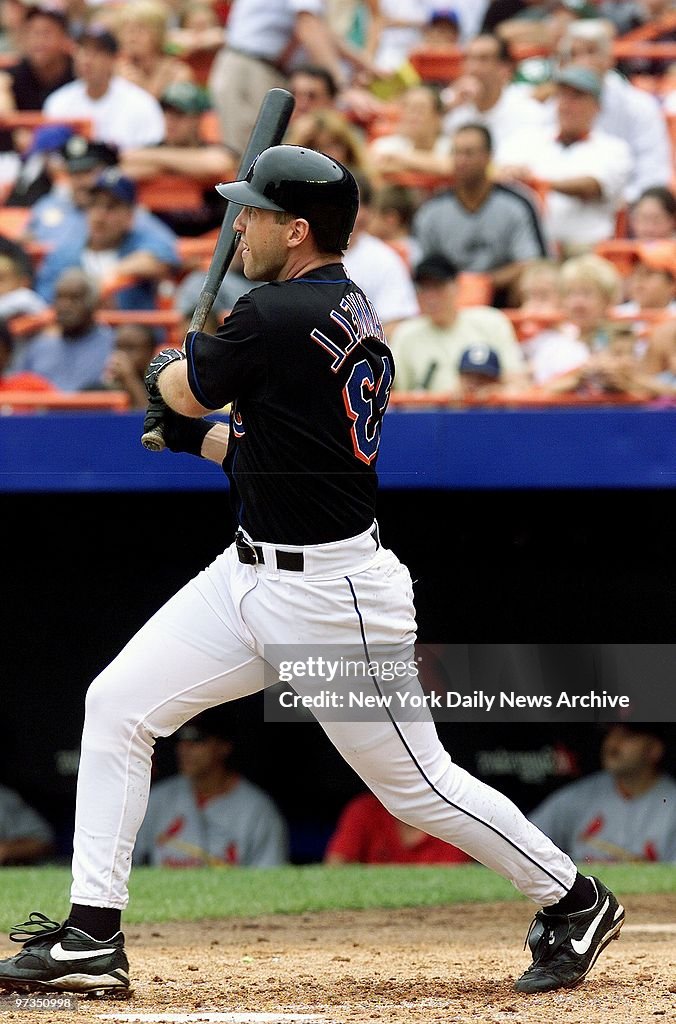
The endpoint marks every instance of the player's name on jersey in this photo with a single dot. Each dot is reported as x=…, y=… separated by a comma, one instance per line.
x=451, y=699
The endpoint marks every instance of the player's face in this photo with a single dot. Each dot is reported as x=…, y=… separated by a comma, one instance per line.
x=199, y=758
x=264, y=249
x=626, y=754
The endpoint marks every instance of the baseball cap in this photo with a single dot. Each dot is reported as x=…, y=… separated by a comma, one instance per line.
x=49, y=137
x=116, y=184
x=207, y=725
x=101, y=37
x=658, y=256
x=445, y=14
x=57, y=14
x=480, y=359
x=581, y=79
x=81, y=154
x=660, y=730
x=186, y=97
x=435, y=268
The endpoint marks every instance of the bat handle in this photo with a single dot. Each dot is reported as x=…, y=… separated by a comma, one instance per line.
x=153, y=441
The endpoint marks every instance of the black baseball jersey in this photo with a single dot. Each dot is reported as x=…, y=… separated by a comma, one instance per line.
x=307, y=368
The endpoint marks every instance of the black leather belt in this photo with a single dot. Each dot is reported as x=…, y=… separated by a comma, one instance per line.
x=292, y=561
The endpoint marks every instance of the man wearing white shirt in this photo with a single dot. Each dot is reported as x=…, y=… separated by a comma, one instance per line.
x=630, y=113
x=586, y=170
x=378, y=269
x=122, y=114
x=262, y=35
x=483, y=95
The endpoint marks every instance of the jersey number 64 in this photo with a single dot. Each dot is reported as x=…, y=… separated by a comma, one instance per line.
x=365, y=402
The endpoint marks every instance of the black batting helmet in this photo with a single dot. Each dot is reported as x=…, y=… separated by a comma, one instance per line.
x=292, y=179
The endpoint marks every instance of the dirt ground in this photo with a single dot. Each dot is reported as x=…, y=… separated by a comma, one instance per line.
x=453, y=965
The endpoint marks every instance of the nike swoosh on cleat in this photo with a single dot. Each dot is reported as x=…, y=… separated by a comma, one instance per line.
x=62, y=955
x=582, y=945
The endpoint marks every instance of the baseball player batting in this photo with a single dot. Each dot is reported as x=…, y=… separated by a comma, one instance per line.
x=304, y=362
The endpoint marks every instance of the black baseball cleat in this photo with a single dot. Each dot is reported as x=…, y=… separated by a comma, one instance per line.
x=565, y=946
x=61, y=958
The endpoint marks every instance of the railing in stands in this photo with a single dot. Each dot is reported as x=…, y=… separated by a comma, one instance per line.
x=81, y=401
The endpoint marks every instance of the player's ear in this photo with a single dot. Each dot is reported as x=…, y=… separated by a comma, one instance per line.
x=299, y=229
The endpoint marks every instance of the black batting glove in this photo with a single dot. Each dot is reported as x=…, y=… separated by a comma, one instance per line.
x=155, y=367
x=180, y=433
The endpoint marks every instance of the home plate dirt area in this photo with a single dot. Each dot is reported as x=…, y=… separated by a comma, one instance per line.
x=445, y=964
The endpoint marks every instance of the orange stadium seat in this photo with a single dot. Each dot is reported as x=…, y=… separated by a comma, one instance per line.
x=36, y=119
x=210, y=129
x=438, y=65
x=171, y=192
x=83, y=401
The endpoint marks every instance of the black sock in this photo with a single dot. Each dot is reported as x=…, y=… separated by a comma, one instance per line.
x=581, y=897
x=99, y=922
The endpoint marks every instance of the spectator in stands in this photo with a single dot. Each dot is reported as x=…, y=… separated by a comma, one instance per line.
x=73, y=354
x=62, y=212
x=17, y=298
x=392, y=211
x=483, y=94
x=480, y=225
x=198, y=31
x=260, y=39
x=122, y=113
x=591, y=287
x=127, y=363
x=10, y=380
x=480, y=375
x=12, y=20
x=141, y=30
x=377, y=268
x=184, y=151
x=313, y=89
x=652, y=282
x=586, y=171
x=329, y=132
x=627, y=112
x=653, y=216
x=209, y=814
x=367, y=833
x=35, y=174
x=418, y=143
x=25, y=837
x=441, y=33
x=394, y=29
x=540, y=289
x=116, y=246
x=543, y=24
x=428, y=348
x=626, y=811
x=46, y=64
x=659, y=360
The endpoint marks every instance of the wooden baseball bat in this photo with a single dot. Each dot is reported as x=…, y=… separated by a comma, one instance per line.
x=271, y=123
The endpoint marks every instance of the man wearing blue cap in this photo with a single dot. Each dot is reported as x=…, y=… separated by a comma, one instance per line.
x=116, y=245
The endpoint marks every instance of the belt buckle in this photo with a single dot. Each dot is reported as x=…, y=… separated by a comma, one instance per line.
x=241, y=541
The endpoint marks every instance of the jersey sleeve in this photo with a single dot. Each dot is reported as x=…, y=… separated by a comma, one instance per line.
x=231, y=363
x=348, y=840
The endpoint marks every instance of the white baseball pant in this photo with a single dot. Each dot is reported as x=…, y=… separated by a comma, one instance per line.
x=205, y=647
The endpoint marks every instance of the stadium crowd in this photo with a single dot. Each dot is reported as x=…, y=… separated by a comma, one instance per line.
x=515, y=159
